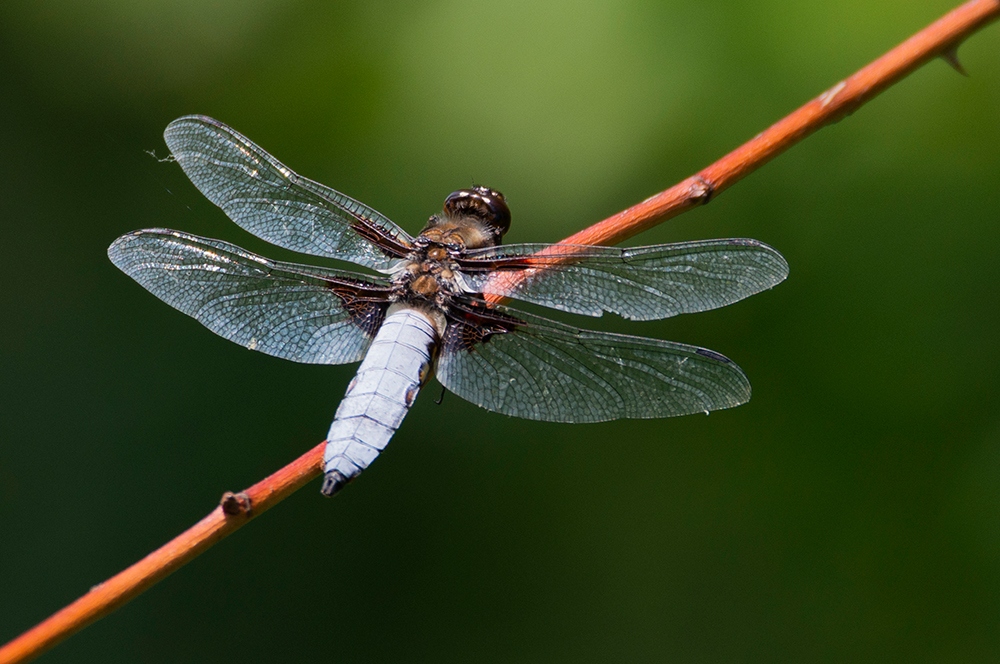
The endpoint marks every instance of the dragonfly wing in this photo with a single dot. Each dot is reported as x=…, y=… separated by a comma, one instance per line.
x=530, y=367
x=640, y=283
x=296, y=312
x=268, y=199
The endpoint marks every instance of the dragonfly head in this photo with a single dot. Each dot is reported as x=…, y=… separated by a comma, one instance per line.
x=482, y=203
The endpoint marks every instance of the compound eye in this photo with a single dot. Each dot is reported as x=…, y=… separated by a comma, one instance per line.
x=487, y=205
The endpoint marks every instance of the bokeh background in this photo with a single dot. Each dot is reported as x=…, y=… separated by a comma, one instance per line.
x=849, y=512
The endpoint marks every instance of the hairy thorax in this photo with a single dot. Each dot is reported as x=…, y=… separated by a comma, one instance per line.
x=428, y=277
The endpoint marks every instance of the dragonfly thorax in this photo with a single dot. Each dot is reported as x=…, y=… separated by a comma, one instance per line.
x=428, y=276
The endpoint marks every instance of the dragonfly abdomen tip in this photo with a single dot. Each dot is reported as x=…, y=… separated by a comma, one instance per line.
x=333, y=482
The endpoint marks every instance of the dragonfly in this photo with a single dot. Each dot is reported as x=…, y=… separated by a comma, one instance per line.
x=432, y=306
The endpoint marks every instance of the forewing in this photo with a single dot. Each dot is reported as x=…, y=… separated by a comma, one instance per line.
x=538, y=369
x=268, y=199
x=296, y=312
x=640, y=283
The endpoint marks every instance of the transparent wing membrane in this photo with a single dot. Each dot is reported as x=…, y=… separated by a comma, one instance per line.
x=296, y=312
x=268, y=199
x=530, y=367
x=641, y=283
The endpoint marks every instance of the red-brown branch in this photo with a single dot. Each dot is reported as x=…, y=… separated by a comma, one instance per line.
x=940, y=38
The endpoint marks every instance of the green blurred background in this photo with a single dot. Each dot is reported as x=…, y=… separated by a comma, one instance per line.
x=850, y=511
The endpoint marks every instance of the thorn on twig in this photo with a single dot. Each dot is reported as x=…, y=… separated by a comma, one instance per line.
x=236, y=503
x=951, y=57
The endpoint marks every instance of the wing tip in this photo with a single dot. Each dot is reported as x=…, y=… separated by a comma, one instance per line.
x=117, y=249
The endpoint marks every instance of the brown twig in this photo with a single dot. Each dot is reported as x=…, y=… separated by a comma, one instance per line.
x=939, y=39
